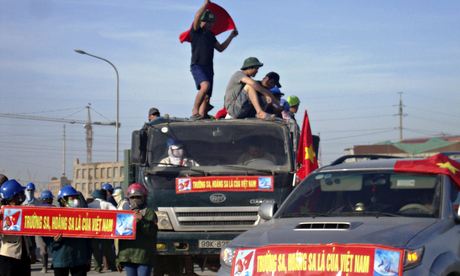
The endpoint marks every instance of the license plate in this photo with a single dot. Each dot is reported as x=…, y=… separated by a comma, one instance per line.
x=212, y=243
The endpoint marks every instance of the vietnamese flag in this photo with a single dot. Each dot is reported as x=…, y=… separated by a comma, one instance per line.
x=224, y=22
x=436, y=164
x=306, y=156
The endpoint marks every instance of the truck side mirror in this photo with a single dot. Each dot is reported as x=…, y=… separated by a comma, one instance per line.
x=316, y=141
x=267, y=209
x=456, y=208
x=139, y=147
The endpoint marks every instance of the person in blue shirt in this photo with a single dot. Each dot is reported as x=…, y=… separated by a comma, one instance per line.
x=70, y=255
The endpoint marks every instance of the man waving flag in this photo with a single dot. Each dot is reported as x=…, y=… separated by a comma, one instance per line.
x=209, y=21
x=436, y=164
x=306, y=156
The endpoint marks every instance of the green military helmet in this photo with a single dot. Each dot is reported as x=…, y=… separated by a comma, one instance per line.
x=251, y=62
x=208, y=16
x=293, y=100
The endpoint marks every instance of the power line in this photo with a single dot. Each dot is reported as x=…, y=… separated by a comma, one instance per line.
x=353, y=118
x=353, y=136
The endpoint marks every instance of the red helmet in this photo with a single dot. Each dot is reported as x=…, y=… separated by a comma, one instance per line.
x=136, y=189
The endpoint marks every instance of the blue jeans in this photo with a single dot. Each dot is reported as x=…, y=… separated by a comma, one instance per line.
x=137, y=269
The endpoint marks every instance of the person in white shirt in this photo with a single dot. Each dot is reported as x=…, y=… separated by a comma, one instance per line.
x=122, y=203
x=102, y=248
x=176, y=157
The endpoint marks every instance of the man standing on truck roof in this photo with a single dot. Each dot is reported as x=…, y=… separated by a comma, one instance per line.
x=203, y=44
x=241, y=96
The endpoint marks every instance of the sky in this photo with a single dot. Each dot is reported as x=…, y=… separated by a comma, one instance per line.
x=345, y=60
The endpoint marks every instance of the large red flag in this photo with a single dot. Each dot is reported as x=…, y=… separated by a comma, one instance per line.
x=436, y=164
x=224, y=22
x=306, y=155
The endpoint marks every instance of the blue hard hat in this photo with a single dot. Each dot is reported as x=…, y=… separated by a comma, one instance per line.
x=276, y=91
x=30, y=186
x=46, y=194
x=107, y=187
x=10, y=188
x=67, y=191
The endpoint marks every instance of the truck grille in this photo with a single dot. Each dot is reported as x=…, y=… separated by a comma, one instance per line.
x=212, y=218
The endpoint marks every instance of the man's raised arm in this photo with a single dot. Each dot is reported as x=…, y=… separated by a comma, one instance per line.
x=196, y=20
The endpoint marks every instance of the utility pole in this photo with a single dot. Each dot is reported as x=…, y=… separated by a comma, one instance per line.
x=64, y=153
x=89, y=137
x=401, y=115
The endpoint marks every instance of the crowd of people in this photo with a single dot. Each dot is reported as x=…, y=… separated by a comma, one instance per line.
x=244, y=97
x=74, y=255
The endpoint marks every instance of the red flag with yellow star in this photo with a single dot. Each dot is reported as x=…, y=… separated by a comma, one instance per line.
x=436, y=164
x=306, y=156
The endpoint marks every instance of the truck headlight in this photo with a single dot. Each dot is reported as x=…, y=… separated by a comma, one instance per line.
x=226, y=255
x=412, y=258
x=163, y=221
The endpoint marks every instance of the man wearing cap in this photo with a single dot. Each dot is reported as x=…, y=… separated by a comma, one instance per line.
x=154, y=114
x=271, y=81
x=283, y=110
x=241, y=95
x=203, y=44
x=154, y=118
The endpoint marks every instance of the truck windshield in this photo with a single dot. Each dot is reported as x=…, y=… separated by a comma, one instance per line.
x=212, y=144
x=365, y=194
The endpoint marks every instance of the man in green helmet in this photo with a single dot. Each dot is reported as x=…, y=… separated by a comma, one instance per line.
x=294, y=103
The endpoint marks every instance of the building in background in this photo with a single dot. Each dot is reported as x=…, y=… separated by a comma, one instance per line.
x=55, y=185
x=88, y=177
x=418, y=147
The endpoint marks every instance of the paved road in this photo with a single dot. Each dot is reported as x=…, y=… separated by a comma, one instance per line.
x=37, y=267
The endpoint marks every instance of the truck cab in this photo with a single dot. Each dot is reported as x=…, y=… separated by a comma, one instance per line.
x=233, y=166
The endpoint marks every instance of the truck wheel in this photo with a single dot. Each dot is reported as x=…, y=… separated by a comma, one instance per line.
x=168, y=265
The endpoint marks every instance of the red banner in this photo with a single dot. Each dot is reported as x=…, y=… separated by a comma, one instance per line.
x=326, y=259
x=70, y=222
x=224, y=184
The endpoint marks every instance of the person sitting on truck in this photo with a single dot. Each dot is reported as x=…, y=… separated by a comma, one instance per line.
x=255, y=154
x=270, y=81
x=283, y=110
x=294, y=103
x=176, y=157
x=241, y=93
x=154, y=118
